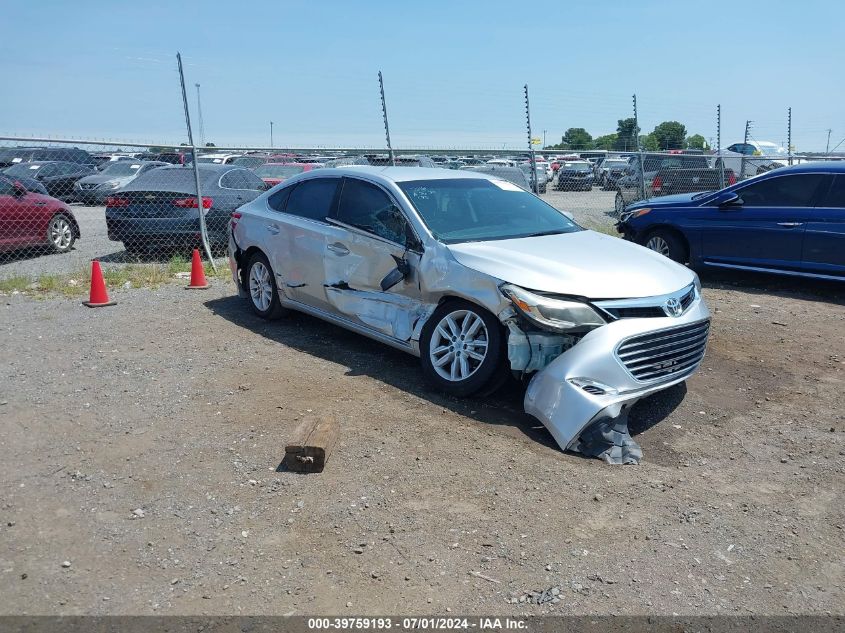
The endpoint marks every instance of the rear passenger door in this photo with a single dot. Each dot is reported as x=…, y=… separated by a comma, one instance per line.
x=824, y=233
x=298, y=235
x=372, y=239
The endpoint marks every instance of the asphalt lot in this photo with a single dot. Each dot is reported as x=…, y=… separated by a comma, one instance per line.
x=592, y=209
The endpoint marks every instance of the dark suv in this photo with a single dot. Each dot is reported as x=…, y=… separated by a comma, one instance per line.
x=636, y=184
x=13, y=155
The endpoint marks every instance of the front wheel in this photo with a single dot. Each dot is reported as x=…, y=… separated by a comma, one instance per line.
x=261, y=287
x=667, y=244
x=619, y=204
x=462, y=349
x=60, y=234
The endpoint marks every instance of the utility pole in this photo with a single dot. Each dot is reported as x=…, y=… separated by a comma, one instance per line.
x=271, y=134
x=530, y=144
x=544, y=139
x=384, y=113
x=199, y=116
x=827, y=147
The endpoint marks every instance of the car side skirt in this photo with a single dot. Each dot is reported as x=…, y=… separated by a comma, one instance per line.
x=774, y=271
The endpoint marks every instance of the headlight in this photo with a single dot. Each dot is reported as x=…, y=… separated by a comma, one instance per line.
x=630, y=215
x=561, y=315
x=111, y=184
x=697, y=283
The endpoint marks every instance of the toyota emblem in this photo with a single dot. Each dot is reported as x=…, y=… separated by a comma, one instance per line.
x=673, y=307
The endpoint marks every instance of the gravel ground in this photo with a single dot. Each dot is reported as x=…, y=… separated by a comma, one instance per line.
x=591, y=209
x=139, y=446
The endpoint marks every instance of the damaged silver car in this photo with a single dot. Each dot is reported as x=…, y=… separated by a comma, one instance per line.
x=479, y=279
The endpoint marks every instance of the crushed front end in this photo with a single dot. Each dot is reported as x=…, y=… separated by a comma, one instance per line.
x=587, y=381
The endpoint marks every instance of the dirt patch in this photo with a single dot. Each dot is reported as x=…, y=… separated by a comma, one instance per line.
x=140, y=444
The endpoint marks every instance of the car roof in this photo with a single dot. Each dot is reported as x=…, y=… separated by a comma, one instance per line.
x=403, y=174
x=833, y=166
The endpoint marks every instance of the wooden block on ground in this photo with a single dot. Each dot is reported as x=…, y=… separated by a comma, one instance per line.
x=311, y=445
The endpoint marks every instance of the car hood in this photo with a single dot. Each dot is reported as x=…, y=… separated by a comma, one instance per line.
x=674, y=200
x=585, y=263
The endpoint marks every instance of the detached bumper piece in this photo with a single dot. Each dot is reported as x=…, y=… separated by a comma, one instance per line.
x=583, y=397
x=608, y=439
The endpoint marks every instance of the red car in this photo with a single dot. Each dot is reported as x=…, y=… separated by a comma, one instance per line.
x=274, y=173
x=33, y=219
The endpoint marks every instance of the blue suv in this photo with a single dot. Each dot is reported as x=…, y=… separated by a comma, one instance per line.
x=789, y=221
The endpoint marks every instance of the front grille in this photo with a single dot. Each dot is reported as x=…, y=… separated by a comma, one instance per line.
x=687, y=299
x=636, y=312
x=666, y=353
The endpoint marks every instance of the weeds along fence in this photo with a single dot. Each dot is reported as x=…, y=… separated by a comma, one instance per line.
x=141, y=209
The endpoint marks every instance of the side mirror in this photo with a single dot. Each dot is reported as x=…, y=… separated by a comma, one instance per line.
x=18, y=190
x=402, y=270
x=727, y=199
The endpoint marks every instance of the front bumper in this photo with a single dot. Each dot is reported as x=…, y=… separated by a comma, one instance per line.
x=556, y=396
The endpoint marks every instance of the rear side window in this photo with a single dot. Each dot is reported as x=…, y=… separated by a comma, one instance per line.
x=783, y=191
x=241, y=179
x=279, y=200
x=836, y=194
x=312, y=198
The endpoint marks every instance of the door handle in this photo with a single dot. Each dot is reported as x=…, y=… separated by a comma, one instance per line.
x=790, y=224
x=338, y=249
x=273, y=229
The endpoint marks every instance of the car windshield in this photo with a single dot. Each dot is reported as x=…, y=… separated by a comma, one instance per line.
x=249, y=161
x=578, y=166
x=23, y=169
x=278, y=171
x=121, y=168
x=615, y=164
x=475, y=209
x=210, y=159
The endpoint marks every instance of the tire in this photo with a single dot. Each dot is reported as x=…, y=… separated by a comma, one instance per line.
x=480, y=358
x=619, y=203
x=261, y=288
x=60, y=233
x=667, y=243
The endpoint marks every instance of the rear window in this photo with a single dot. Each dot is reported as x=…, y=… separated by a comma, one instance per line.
x=312, y=198
x=175, y=178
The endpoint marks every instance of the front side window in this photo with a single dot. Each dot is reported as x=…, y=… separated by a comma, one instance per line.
x=476, y=209
x=367, y=207
x=312, y=198
x=784, y=191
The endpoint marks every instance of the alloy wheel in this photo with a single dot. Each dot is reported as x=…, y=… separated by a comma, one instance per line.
x=260, y=286
x=458, y=345
x=61, y=233
x=659, y=245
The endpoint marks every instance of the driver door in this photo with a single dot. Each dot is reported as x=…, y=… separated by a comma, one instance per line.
x=370, y=242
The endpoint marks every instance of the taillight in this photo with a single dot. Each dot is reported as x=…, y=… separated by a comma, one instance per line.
x=114, y=201
x=235, y=217
x=731, y=178
x=191, y=203
x=657, y=184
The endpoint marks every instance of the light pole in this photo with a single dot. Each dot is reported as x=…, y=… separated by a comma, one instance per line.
x=271, y=134
x=199, y=116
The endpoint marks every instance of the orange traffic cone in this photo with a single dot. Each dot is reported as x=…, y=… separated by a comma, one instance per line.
x=198, y=281
x=99, y=296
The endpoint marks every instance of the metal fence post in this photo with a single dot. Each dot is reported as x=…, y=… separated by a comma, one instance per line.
x=536, y=186
x=195, y=154
x=721, y=163
x=789, y=133
x=384, y=114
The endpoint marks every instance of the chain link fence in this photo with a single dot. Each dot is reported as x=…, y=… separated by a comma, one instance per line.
x=63, y=204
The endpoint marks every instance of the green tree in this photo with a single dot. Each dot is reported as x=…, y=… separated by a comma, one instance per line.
x=696, y=141
x=577, y=138
x=626, y=135
x=670, y=135
x=608, y=141
x=649, y=142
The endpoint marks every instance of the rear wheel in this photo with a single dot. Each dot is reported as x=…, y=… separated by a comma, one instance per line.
x=261, y=287
x=60, y=233
x=462, y=349
x=668, y=244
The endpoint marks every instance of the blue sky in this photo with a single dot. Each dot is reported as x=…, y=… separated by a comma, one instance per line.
x=453, y=70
